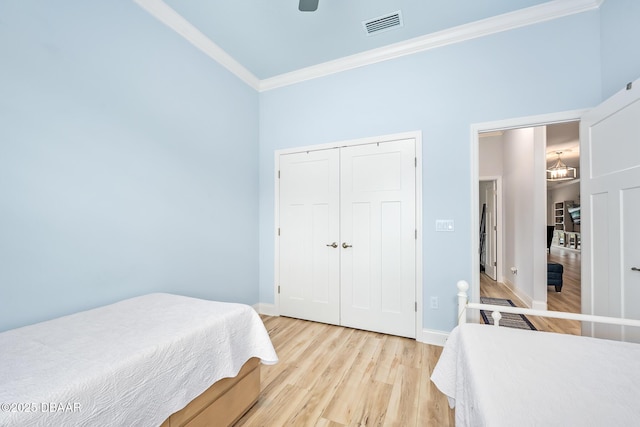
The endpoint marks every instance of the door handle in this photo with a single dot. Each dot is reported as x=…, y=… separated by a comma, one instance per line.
x=333, y=245
x=635, y=269
x=344, y=245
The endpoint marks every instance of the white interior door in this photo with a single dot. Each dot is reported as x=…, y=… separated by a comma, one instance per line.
x=610, y=188
x=378, y=241
x=491, y=258
x=309, y=234
x=492, y=233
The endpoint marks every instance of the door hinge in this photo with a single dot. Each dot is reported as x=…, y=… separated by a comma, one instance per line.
x=416, y=234
x=278, y=231
x=415, y=162
x=416, y=306
x=278, y=174
x=278, y=289
x=495, y=264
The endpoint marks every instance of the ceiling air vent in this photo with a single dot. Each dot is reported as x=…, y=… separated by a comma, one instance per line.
x=383, y=23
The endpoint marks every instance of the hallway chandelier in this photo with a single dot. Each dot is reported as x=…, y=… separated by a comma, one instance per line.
x=560, y=171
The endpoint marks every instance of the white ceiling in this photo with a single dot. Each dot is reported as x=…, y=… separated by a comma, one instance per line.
x=271, y=38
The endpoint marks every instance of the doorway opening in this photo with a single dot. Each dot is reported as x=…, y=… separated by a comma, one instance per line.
x=527, y=238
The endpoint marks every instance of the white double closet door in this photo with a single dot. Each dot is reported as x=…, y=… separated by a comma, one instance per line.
x=347, y=244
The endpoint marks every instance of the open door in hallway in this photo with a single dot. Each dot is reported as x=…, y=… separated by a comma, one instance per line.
x=610, y=211
x=488, y=229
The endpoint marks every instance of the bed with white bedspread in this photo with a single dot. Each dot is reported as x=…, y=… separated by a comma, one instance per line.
x=513, y=377
x=499, y=376
x=134, y=362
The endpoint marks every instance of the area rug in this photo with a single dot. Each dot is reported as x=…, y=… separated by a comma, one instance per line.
x=508, y=319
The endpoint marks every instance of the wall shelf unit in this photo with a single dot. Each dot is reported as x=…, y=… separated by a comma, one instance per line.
x=566, y=234
x=560, y=214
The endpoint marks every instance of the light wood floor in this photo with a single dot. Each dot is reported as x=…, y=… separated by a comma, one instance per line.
x=335, y=376
x=566, y=300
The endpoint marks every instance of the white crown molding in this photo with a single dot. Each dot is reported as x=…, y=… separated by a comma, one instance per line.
x=177, y=23
x=508, y=21
x=544, y=12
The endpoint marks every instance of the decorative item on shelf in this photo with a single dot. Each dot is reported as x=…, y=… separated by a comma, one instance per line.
x=574, y=212
x=561, y=172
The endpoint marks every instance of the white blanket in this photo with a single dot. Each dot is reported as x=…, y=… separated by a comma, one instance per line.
x=132, y=363
x=497, y=376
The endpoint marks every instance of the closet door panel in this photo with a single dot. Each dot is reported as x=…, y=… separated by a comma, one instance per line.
x=378, y=270
x=309, y=216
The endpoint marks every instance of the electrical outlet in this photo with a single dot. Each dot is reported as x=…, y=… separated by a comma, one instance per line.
x=433, y=303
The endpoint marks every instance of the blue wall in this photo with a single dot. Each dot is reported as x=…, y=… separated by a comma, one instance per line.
x=129, y=160
x=128, y=163
x=620, y=44
x=548, y=67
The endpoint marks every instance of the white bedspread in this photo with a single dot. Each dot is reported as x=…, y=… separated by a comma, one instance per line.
x=509, y=377
x=132, y=363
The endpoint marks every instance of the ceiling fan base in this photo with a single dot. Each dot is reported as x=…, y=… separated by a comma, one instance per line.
x=308, y=5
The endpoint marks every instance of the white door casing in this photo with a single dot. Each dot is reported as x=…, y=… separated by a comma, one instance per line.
x=309, y=213
x=378, y=233
x=499, y=125
x=610, y=210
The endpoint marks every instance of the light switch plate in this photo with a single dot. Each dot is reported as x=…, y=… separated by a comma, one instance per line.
x=444, y=225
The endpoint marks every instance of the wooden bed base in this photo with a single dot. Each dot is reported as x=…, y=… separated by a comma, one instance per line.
x=223, y=403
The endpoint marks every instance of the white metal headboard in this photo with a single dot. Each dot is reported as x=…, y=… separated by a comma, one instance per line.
x=464, y=304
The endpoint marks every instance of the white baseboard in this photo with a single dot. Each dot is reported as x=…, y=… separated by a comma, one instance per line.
x=433, y=337
x=539, y=305
x=526, y=299
x=266, y=309
x=426, y=336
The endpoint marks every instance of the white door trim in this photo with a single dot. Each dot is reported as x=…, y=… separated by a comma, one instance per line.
x=476, y=128
x=417, y=135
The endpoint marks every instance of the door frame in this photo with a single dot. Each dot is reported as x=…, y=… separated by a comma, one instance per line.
x=498, y=125
x=499, y=225
x=417, y=136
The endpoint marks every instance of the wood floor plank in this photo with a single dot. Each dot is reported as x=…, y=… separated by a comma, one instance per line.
x=311, y=369
x=347, y=395
x=388, y=361
x=323, y=390
x=372, y=407
x=403, y=403
x=323, y=422
x=274, y=410
x=433, y=410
